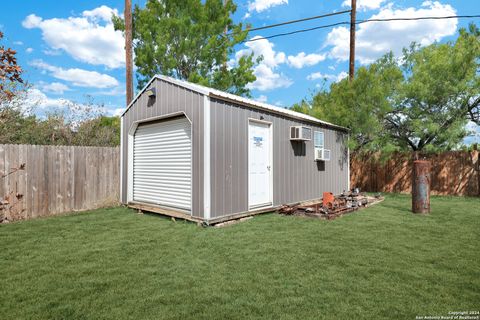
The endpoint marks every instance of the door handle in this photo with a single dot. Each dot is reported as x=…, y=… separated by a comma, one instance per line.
x=268, y=168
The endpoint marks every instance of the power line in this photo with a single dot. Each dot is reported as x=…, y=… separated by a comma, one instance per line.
x=225, y=35
x=358, y=22
x=417, y=18
x=297, y=31
x=294, y=21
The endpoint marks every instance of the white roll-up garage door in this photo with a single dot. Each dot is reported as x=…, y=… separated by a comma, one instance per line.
x=162, y=163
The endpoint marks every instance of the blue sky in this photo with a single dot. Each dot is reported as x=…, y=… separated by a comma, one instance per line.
x=69, y=48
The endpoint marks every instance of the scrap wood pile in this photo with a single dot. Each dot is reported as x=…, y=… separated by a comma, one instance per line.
x=331, y=207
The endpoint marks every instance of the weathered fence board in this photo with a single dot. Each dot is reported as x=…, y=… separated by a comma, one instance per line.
x=58, y=179
x=453, y=173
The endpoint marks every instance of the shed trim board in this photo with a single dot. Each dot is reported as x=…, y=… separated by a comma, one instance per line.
x=206, y=158
x=219, y=157
x=130, y=163
x=348, y=166
x=121, y=159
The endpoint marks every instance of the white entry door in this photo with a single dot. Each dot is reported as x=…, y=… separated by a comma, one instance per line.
x=259, y=164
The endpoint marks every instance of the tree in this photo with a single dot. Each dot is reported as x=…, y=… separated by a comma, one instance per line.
x=17, y=127
x=82, y=124
x=17, y=121
x=420, y=102
x=440, y=91
x=10, y=73
x=185, y=40
x=474, y=113
x=102, y=131
x=359, y=105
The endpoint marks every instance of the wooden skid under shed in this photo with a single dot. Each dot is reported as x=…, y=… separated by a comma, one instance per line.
x=182, y=215
x=163, y=211
x=237, y=216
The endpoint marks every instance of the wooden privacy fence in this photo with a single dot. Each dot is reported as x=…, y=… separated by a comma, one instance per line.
x=56, y=179
x=453, y=173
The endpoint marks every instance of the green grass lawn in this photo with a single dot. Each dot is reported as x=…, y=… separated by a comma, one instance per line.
x=379, y=263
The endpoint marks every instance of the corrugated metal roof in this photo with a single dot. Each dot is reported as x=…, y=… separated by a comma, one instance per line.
x=241, y=100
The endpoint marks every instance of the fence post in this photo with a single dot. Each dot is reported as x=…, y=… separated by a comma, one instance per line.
x=476, y=165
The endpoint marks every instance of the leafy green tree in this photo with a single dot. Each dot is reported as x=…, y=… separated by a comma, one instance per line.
x=17, y=127
x=360, y=105
x=53, y=130
x=420, y=102
x=102, y=131
x=185, y=40
x=440, y=91
x=82, y=124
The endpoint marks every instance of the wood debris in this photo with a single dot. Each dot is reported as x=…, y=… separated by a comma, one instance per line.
x=331, y=207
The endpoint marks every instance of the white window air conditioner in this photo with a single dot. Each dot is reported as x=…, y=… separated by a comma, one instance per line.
x=300, y=133
x=322, y=154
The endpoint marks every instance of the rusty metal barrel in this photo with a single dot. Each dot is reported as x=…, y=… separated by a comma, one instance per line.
x=421, y=186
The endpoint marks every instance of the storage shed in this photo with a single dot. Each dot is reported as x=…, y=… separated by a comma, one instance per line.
x=205, y=155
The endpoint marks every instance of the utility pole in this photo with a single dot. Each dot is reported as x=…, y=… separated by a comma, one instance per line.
x=351, y=69
x=128, y=50
x=225, y=39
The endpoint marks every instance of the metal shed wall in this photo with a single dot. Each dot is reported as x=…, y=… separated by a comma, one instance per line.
x=170, y=98
x=296, y=176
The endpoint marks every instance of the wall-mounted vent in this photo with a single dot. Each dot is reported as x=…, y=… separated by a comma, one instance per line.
x=299, y=133
x=322, y=154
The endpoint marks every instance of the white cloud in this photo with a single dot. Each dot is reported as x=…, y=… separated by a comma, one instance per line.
x=89, y=38
x=54, y=87
x=326, y=76
x=78, y=77
x=342, y=75
x=267, y=74
x=318, y=75
x=267, y=77
x=38, y=103
x=18, y=43
x=473, y=129
x=29, y=50
x=364, y=5
x=474, y=133
x=31, y=21
x=101, y=13
x=119, y=90
x=262, y=98
x=52, y=52
x=263, y=48
x=37, y=99
x=262, y=5
x=116, y=112
x=376, y=38
x=302, y=59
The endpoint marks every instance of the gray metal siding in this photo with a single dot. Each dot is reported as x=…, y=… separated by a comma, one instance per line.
x=296, y=176
x=171, y=98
